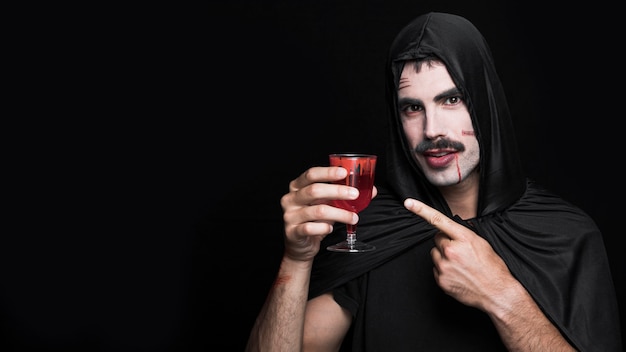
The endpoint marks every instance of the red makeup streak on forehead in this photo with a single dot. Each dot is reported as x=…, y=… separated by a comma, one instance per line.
x=467, y=133
x=403, y=83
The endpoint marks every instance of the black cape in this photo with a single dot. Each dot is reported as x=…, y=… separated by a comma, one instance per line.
x=551, y=246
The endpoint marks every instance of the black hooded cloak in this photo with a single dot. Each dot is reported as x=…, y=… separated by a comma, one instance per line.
x=551, y=246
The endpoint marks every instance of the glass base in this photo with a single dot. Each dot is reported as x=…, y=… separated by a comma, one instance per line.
x=354, y=247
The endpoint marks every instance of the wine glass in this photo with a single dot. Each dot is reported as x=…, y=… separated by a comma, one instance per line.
x=361, y=170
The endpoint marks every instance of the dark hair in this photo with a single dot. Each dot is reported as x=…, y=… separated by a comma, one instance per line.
x=430, y=61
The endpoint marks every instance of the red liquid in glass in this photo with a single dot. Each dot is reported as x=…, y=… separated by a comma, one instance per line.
x=360, y=169
x=364, y=183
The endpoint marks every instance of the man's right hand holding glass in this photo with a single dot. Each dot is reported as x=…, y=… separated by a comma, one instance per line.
x=307, y=215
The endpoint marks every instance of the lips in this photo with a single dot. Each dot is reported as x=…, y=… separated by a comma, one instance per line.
x=439, y=159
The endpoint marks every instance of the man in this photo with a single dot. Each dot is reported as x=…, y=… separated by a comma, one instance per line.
x=471, y=255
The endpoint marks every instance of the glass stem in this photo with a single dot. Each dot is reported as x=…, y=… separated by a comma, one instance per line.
x=351, y=234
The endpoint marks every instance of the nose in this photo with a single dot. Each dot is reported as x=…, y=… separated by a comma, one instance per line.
x=433, y=126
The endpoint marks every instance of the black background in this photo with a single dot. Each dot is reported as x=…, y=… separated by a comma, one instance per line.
x=150, y=217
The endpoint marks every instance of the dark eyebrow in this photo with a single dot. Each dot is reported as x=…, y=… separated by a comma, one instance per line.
x=452, y=92
x=447, y=94
x=409, y=101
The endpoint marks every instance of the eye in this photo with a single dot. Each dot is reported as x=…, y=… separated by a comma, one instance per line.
x=411, y=108
x=411, y=111
x=454, y=100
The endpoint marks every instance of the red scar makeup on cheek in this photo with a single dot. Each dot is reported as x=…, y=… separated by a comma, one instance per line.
x=467, y=133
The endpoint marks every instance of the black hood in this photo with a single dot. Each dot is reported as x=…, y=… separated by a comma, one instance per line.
x=464, y=51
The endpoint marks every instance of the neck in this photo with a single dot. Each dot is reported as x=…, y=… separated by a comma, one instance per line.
x=462, y=198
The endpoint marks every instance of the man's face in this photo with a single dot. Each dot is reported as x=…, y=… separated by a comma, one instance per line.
x=437, y=124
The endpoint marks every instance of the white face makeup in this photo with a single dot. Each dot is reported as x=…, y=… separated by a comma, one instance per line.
x=437, y=124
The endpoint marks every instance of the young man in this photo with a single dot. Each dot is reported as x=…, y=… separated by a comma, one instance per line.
x=471, y=255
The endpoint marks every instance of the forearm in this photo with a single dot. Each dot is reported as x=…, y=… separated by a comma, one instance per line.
x=523, y=326
x=279, y=325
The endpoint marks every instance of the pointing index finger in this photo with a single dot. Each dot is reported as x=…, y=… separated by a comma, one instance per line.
x=435, y=218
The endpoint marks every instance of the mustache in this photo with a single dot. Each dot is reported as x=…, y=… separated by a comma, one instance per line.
x=439, y=144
